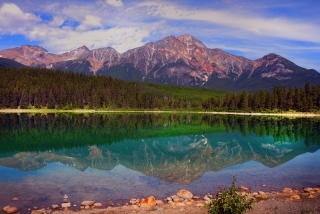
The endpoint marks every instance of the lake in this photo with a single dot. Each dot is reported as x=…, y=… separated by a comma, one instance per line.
x=114, y=157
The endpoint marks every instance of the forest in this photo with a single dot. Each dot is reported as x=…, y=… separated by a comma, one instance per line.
x=40, y=88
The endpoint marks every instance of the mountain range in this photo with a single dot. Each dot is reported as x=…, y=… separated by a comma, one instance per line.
x=182, y=60
x=181, y=159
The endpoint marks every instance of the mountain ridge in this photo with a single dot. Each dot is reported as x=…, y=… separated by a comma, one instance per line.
x=182, y=60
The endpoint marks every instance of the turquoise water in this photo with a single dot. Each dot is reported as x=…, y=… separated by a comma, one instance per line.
x=117, y=157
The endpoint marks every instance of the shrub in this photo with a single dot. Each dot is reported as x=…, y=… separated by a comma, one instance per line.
x=229, y=201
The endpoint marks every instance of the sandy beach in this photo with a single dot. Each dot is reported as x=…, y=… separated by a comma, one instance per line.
x=83, y=111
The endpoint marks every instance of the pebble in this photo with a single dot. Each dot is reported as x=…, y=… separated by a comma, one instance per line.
x=15, y=199
x=55, y=206
x=183, y=193
x=9, y=210
x=66, y=205
x=159, y=202
x=87, y=203
x=97, y=204
x=294, y=197
x=65, y=196
x=206, y=198
x=244, y=188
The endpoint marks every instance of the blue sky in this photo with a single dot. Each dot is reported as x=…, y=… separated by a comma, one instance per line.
x=247, y=28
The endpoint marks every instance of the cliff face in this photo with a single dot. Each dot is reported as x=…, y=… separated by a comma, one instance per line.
x=182, y=60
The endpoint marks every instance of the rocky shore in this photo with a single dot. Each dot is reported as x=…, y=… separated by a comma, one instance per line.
x=287, y=201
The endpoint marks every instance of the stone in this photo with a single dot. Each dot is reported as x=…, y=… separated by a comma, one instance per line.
x=264, y=185
x=177, y=199
x=244, y=188
x=311, y=196
x=97, y=204
x=8, y=209
x=48, y=211
x=148, y=202
x=294, y=197
x=199, y=205
x=65, y=196
x=316, y=189
x=308, y=189
x=261, y=196
x=87, y=203
x=55, y=206
x=183, y=193
x=15, y=199
x=160, y=209
x=295, y=191
x=134, y=207
x=87, y=207
x=287, y=190
x=65, y=200
x=206, y=198
x=66, y=205
x=37, y=211
x=261, y=193
x=196, y=197
x=169, y=199
x=159, y=202
x=188, y=203
x=180, y=204
x=170, y=202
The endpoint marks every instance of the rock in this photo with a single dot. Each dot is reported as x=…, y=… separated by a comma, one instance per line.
x=287, y=190
x=244, y=188
x=169, y=199
x=15, y=199
x=261, y=193
x=37, y=211
x=308, y=189
x=65, y=200
x=180, y=204
x=160, y=209
x=316, y=189
x=177, y=199
x=294, y=197
x=159, y=202
x=311, y=196
x=148, y=202
x=97, y=204
x=66, y=205
x=264, y=185
x=206, y=198
x=48, y=211
x=295, y=191
x=65, y=196
x=87, y=207
x=87, y=203
x=134, y=206
x=55, y=206
x=261, y=196
x=254, y=193
x=188, y=203
x=199, y=205
x=170, y=202
x=184, y=194
x=196, y=197
x=8, y=209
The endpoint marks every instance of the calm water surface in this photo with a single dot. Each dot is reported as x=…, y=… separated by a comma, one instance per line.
x=119, y=156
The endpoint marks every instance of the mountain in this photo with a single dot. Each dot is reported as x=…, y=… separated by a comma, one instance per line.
x=182, y=60
x=181, y=159
x=10, y=63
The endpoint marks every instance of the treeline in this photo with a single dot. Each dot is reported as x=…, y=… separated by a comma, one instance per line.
x=44, y=88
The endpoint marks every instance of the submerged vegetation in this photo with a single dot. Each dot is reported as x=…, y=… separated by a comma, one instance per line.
x=39, y=88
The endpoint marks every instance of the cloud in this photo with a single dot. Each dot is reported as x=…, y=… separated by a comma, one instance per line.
x=115, y=3
x=89, y=23
x=272, y=27
x=63, y=40
x=14, y=20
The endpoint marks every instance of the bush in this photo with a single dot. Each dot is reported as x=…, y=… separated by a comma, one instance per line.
x=229, y=201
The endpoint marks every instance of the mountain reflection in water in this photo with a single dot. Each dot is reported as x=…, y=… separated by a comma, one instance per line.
x=178, y=149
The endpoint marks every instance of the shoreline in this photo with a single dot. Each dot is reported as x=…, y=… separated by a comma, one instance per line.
x=288, y=200
x=83, y=111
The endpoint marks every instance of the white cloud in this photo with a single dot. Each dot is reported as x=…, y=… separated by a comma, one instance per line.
x=115, y=3
x=14, y=20
x=63, y=40
x=275, y=27
x=89, y=23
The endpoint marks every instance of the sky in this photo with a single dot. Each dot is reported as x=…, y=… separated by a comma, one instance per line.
x=249, y=28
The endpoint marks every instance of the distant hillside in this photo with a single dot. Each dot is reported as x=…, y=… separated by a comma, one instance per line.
x=10, y=63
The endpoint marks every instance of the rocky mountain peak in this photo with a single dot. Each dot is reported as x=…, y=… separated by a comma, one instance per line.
x=34, y=48
x=190, y=40
x=270, y=56
x=79, y=53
